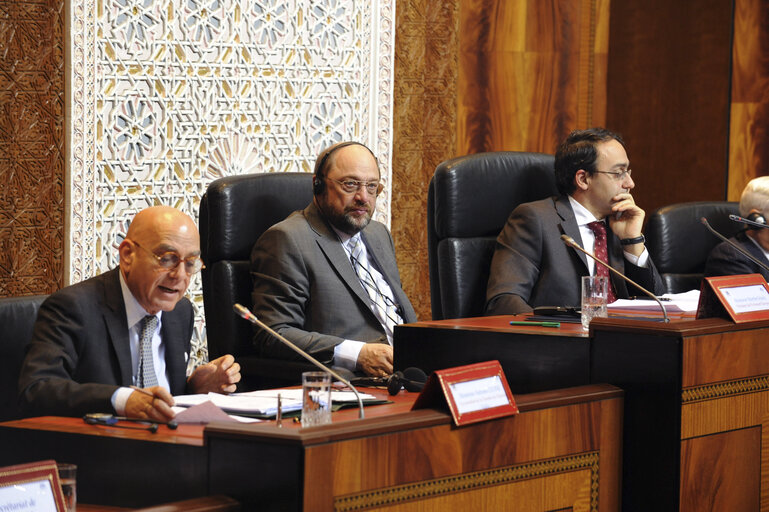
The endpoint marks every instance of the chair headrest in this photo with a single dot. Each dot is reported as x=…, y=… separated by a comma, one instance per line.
x=475, y=194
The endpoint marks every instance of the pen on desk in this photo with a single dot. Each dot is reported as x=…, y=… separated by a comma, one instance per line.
x=644, y=297
x=540, y=324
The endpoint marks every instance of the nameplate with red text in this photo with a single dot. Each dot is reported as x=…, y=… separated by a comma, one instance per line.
x=473, y=393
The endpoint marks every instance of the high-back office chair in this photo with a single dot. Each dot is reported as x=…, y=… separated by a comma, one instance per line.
x=679, y=244
x=234, y=212
x=17, y=317
x=468, y=203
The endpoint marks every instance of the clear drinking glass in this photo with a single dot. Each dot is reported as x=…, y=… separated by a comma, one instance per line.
x=316, y=398
x=67, y=478
x=594, y=298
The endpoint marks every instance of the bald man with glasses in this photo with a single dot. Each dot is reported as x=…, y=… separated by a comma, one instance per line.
x=326, y=277
x=119, y=342
x=532, y=266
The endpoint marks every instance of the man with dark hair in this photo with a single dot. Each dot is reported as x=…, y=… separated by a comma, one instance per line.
x=533, y=267
x=326, y=277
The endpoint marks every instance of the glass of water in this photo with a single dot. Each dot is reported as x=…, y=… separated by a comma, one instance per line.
x=316, y=398
x=67, y=474
x=594, y=298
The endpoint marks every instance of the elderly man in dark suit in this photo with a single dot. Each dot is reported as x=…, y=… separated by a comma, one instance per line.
x=119, y=342
x=724, y=259
x=532, y=266
x=326, y=277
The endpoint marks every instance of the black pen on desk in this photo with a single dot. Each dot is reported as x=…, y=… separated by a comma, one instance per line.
x=644, y=297
x=540, y=324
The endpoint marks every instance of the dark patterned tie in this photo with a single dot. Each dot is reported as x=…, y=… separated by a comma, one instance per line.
x=147, y=377
x=599, y=249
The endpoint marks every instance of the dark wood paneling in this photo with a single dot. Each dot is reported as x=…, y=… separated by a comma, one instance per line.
x=668, y=94
x=31, y=146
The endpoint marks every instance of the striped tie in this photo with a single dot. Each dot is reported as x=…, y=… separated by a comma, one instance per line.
x=383, y=307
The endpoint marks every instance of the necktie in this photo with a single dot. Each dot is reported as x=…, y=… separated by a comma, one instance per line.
x=147, y=377
x=599, y=249
x=383, y=307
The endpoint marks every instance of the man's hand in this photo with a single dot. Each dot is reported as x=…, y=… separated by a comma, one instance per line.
x=150, y=404
x=629, y=222
x=218, y=376
x=376, y=359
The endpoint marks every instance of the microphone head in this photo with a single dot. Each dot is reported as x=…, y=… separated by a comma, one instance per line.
x=240, y=310
x=567, y=239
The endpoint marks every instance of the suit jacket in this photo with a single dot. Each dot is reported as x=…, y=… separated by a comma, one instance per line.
x=306, y=289
x=725, y=260
x=532, y=266
x=79, y=352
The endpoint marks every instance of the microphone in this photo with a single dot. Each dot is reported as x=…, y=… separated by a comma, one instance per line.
x=570, y=242
x=243, y=312
x=737, y=218
x=413, y=379
x=737, y=247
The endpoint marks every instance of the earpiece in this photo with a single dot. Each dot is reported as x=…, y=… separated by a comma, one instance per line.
x=413, y=379
x=756, y=217
x=318, y=183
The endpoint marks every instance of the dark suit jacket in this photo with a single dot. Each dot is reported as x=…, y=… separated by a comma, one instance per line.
x=725, y=260
x=533, y=267
x=306, y=289
x=79, y=353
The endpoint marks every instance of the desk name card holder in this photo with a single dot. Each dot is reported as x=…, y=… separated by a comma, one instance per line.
x=743, y=298
x=32, y=486
x=475, y=392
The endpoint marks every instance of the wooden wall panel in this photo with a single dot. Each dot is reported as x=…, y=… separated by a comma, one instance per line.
x=423, y=129
x=31, y=146
x=530, y=72
x=749, y=122
x=668, y=90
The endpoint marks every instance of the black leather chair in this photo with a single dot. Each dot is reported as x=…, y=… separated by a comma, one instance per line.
x=17, y=316
x=468, y=203
x=234, y=212
x=679, y=244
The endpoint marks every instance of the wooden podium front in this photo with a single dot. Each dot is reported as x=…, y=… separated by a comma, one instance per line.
x=696, y=396
x=560, y=453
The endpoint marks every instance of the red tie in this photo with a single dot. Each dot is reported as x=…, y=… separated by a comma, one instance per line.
x=599, y=249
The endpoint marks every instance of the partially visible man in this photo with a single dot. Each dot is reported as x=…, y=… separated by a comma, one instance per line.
x=119, y=342
x=724, y=259
x=326, y=277
x=532, y=266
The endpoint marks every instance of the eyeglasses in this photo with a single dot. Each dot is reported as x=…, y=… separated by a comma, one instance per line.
x=352, y=186
x=170, y=260
x=617, y=175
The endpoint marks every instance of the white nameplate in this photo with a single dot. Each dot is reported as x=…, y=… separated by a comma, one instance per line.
x=476, y=395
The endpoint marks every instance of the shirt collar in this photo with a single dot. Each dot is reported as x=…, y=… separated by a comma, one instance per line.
x=581, y=214
x=133, y=310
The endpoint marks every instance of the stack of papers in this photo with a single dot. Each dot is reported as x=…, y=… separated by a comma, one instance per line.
x=674, y=303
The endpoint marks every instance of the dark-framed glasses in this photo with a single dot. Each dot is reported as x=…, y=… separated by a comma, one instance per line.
x=170, y=260
x=351, y=186
x=617, y=175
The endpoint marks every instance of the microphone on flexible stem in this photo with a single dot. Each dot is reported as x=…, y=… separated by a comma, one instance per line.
x=243, y=312
x=752, y=223
x=737, y=247
x=570, y=242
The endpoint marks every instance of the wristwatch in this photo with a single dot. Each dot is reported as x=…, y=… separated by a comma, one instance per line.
x=632, y=241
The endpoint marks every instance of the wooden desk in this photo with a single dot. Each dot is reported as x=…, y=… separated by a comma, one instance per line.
x=546, y=458
x=696, y=396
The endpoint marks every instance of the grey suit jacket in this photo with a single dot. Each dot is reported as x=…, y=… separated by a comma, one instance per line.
x=533, y=267
x=79, y=352
x=306, y=289
x=725, y=260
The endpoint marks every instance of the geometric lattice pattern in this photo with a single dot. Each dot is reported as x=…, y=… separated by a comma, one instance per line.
x=168, y=95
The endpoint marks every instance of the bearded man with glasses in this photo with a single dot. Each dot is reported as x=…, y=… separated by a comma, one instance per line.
x=119, y=342
x=326, y=277
x=532, y=266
